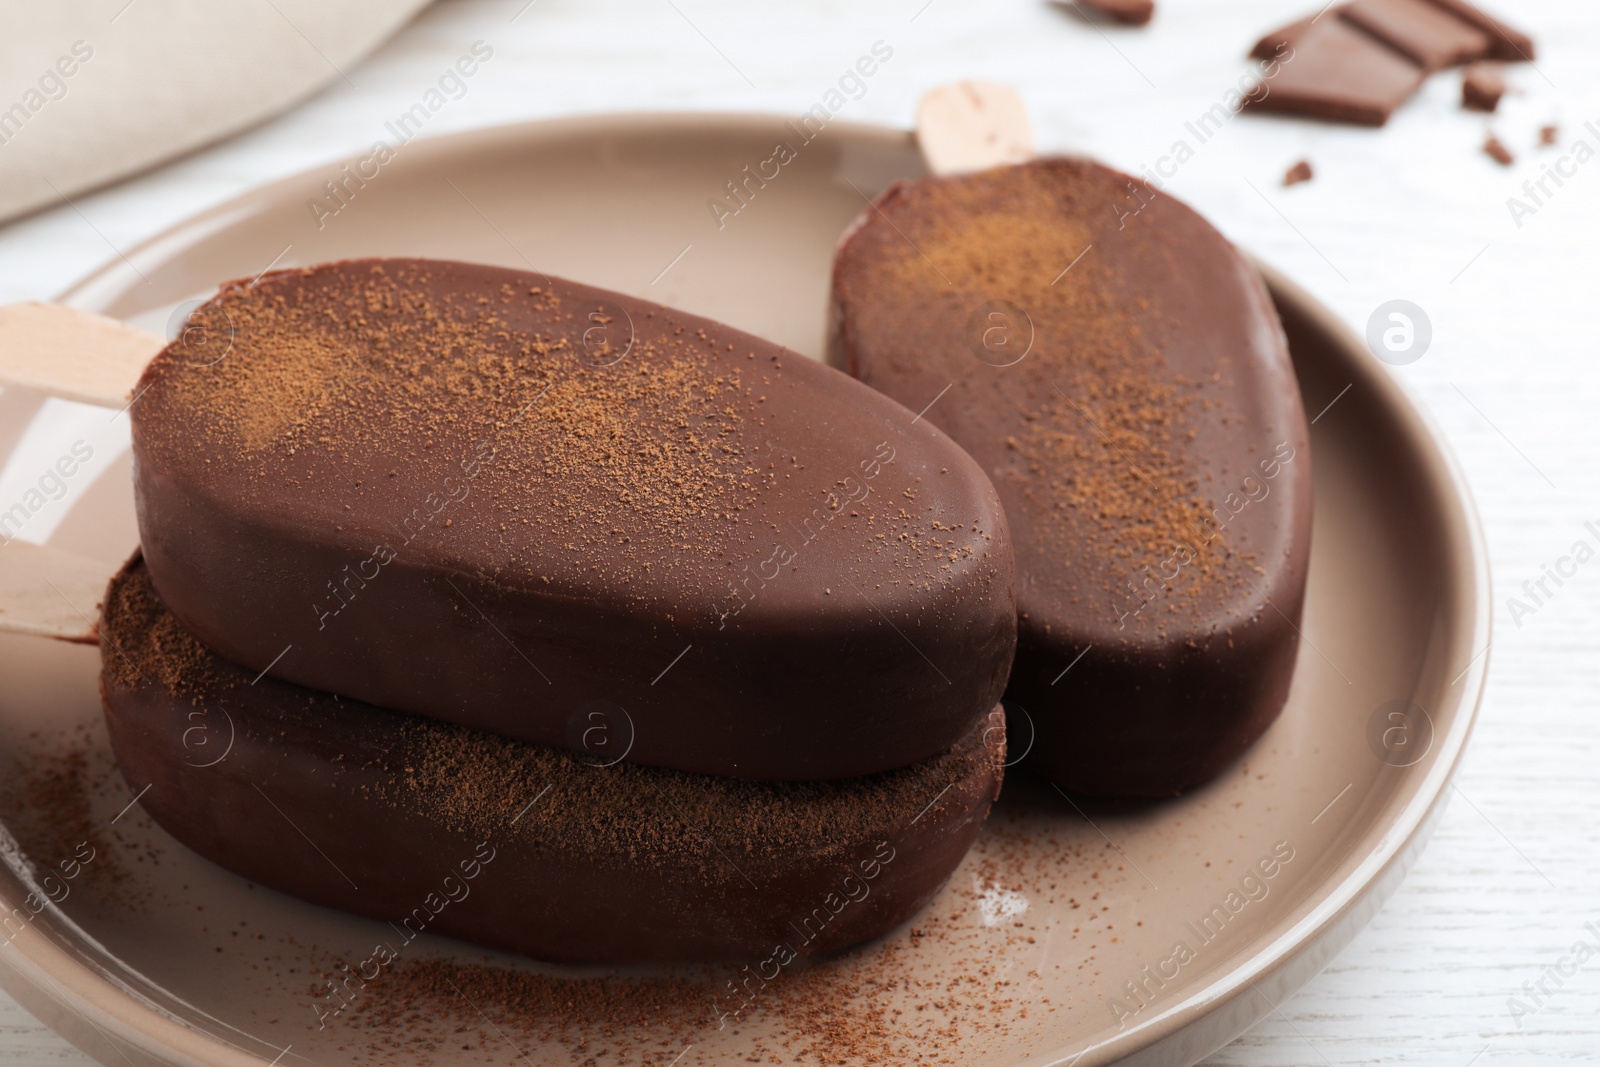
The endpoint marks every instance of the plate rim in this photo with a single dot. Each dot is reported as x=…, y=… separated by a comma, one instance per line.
x=1385, y=865
x=96, y=998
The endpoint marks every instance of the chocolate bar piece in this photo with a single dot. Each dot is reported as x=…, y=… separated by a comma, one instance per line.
x=1503, y=42
x=571, y=517
x=437, y=829
x=1338, y=72
x=1331, y=65
x=1422, y=32
x=1119, y=370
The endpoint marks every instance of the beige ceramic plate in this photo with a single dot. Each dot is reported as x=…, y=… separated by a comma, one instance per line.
x=1057, y=941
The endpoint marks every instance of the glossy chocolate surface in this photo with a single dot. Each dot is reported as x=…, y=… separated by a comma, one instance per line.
x=571, y=517
x=435, y=828
x=1118, y=369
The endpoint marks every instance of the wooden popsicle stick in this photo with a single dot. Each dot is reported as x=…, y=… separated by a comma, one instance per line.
x=73, y=354
x=76, y=355
x=973, y=125
x=45, y=592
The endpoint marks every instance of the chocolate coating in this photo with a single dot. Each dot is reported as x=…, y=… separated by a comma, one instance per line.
x=516, y=846
x=570, y=517
x=1119, y=371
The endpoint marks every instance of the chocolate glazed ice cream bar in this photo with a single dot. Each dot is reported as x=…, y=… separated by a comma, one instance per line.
x=1119, y=371
x=438, y=829
x=570, y=517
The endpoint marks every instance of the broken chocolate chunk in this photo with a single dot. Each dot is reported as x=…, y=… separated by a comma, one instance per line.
x=1340, y=73
x=1300, y=172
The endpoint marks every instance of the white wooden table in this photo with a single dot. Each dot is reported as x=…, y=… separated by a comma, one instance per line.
x=1415, y=211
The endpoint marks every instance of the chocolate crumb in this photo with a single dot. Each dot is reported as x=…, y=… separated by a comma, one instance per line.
x=1300, y=172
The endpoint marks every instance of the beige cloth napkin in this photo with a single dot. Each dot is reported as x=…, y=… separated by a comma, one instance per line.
x=95, y=90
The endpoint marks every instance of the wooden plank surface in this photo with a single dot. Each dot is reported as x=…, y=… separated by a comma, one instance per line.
x=1415, y=211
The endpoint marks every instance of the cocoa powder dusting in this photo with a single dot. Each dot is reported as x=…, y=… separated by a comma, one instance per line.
x=587, y=415
x=142, y=642
x=52, y=799
x=1103, y=465
x=480, y=784
x=966, y=975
